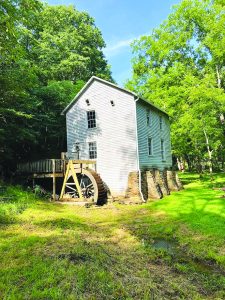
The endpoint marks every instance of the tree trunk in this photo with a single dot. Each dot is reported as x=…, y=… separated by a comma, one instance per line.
x=209, y=152
x=222, y=119
x=180, y=164
x=218, y=77
x=188, y=161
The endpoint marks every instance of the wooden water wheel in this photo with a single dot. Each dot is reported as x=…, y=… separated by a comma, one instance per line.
x=83, y=185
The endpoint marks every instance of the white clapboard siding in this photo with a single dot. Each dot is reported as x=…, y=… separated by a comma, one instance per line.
x=115, y=133
x=144, y=131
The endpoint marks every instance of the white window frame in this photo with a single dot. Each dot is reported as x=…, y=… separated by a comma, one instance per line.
x=92, y=152
x=162, y=149
x=150, y=138
x=91, y=119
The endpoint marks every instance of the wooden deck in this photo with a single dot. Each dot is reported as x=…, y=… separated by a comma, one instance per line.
x=52, y=168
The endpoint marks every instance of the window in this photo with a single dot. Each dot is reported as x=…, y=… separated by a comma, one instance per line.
x=92, y=150
x=149, y=118
x=150, y=146
x=91, y=119
x=162, y=150
x=160, y=122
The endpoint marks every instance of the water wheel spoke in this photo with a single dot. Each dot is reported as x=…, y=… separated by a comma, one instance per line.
x=71, y=192
x=90, y=184
x=69, y=187
x=82, y=182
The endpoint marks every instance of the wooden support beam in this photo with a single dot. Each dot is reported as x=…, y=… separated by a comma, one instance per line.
x=53, y=181
x=43, y=175
x=76, y=180
x=70, y=170
x=88, y=162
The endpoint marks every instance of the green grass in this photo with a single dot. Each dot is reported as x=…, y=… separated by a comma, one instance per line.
x=52, y=251
x=13, y=201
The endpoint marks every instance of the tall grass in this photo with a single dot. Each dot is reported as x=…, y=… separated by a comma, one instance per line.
x=13, y=201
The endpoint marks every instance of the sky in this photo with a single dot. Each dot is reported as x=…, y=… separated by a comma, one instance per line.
x=121, y=22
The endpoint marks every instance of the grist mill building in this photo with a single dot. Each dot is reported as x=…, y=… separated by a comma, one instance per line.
x=127, y=136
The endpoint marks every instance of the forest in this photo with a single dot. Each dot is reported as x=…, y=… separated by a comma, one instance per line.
x=47, y=53
x=181, y=67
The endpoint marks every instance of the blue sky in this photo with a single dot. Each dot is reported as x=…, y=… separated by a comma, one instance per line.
x=122, y=21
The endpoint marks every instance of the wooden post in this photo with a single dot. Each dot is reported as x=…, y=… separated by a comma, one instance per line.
x=53, y=180
x=64, y=181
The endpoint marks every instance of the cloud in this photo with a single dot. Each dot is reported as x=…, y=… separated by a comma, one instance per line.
x=119, y=46
x=116, y=48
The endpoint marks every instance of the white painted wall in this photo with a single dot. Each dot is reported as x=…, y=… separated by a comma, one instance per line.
x=115, y=133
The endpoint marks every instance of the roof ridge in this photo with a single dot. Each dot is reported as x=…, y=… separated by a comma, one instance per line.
x=111, y=84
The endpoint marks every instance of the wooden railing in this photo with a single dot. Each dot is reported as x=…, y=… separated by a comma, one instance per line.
x=52, y=166
x=42, y=166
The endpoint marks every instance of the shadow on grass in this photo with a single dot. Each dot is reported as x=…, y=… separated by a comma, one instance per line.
x=64, y=223
x=50, y=206
x=209, y=181
x=188, y=178
x=200, y=209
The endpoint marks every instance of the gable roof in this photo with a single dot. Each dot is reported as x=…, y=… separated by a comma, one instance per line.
x=93, y=78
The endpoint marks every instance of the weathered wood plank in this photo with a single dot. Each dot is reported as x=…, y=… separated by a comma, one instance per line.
x=45, y=175
x=41, y=166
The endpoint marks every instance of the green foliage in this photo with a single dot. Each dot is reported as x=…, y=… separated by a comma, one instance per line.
x=17, y=75
x=69, y=45
x=17, y=18
x=46, y=55
x=51, y=126
x=180, y=67
x=13, y=201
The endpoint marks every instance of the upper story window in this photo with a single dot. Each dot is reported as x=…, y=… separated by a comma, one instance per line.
x=91, y=119
x=92, y=150
x=163, y=149
x=160, y=122
x=149, y=118
x=150, y=146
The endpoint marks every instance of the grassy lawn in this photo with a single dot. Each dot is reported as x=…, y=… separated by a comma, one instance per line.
x=173, y=248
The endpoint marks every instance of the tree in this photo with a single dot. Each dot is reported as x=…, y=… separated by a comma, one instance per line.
x=17, y=17
x=52, y=99
x=69, y=46
x=17, y=77
x=180, y=67
x=67, y=52
x=46, y=55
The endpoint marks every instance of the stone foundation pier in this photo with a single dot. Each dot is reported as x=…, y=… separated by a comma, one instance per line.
x=154, y=184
